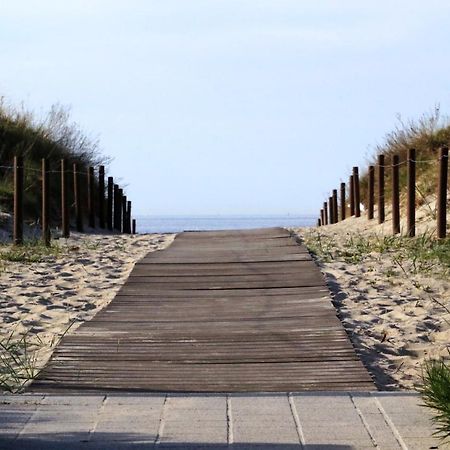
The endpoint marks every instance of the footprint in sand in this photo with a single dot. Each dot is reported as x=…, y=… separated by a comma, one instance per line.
x=10, y=319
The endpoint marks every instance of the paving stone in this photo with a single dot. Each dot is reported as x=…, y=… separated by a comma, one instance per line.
x=132, y=419
x=375, y=422
x=263, y=419
x=195, y=420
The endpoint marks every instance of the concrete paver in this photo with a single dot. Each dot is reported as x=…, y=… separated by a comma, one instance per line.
x=309, y=421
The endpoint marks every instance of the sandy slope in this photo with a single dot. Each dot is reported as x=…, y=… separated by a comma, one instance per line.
x=43, y=299
x=395, y=308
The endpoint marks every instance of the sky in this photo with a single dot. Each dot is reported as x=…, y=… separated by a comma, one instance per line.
x=219, y=107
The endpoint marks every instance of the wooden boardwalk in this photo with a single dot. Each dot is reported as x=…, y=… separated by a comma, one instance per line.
x=230, y=311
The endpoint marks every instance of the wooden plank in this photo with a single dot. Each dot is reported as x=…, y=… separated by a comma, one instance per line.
x=219, y=311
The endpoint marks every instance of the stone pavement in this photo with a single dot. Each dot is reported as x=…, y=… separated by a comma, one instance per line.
x=310, y=421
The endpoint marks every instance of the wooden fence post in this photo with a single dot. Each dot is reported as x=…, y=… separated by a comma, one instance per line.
x=357, y=194
x=442, y=194
x=91, y=197
x=116, y=225
x=77, y=199
x=318, y=222
x=352, y=196
x=118, y=208
x=335, y=207
x=45, y=225
x=65, y=217
x=343, y=205
x=325, y=212
x=322, y=217
x=395, y=195
x=101, y=197
x=124, y=214
x=411, y=194
x=129, y=217
x=330, y=210
x=109, y=211
x=134, y=226
x=370, y=200
x=18, y=201
x=381, y=210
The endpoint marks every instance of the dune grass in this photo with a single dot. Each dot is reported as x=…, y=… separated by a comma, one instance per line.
x=54, y=137
x=420, y=255
x=32, y=251
x=426, y=134
x=435, y=392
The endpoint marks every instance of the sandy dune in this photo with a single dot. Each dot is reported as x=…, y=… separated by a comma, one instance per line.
x=395, y=306
x=44, y=299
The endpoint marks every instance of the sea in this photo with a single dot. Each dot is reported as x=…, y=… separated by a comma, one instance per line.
x=177, y=224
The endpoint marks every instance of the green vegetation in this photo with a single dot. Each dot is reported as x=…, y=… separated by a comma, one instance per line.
x=435, y=391
x=426, y=134
x=31, y=252
x=18, y=362
x=54, y=138
x=422, y=254
x=19, y=359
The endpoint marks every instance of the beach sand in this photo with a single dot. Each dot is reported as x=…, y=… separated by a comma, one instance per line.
x=80, y=276
x=392, y=297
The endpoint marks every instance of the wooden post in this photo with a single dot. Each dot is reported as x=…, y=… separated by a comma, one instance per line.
x=411, y=201
x=322, y=217
x=381, y=210
x=118, y=208
x=124, y=214
x=65, y=216
x=116, y=221
x=134, y=226
x=370, y=193
x=330, y=210
x=335, y=206
x=45, y=225
x=352, y=196
x=343, y=205
x=129, y=217
x=18, y=201
x=318, y=222
x=109, y=211
x=325, y=212
x=77, y=199
x=442, y=194
x=395, y=195
x=101, y=197
x=356, y=195
x=91, y=197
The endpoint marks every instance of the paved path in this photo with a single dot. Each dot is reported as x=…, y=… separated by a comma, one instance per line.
x=234, y=311
x=309, y=421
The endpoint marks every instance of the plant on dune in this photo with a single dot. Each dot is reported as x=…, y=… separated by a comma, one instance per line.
x=426, y=134
x=435, y=392
x=54, y=137
x=31, y=252
x=18, y=362
x=19, y=359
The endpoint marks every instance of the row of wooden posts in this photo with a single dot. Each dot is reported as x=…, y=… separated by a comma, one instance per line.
x=331, y=213
x=107, y=206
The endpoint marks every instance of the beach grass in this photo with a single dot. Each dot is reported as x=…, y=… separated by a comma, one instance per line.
x=420, y=255
x=435, y=392
x=32, y=251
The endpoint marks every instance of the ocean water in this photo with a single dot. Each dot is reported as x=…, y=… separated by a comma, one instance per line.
x=158, y=224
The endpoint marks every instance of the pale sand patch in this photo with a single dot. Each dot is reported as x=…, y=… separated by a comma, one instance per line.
x=395, y=309
x=43, y=299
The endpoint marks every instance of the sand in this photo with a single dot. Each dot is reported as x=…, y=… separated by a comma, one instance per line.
x=46, y=299
x=395, y=308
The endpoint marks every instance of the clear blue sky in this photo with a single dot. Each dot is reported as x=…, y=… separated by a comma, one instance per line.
x=229, y=106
